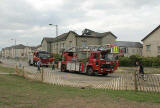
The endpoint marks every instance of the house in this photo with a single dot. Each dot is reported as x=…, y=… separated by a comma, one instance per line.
x=1, y=53
x=151, y=43
x=19, y=51
x=7, y=52
x=46, y=43
x=71, y=39
x=130, y=48
x=28, y=50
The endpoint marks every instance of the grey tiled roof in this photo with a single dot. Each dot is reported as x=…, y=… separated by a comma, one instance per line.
x=20, y=46
x=49, y=39
x=90, y=33
x=86, y=33
x=129, y=44
x=37, y=46
x=8, y=48
x=64, y=35
x=60, y=37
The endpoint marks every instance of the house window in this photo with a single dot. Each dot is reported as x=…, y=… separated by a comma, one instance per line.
x=159, y=49
x=62, y=45
x=54, y=45
x=84, y=43
x=124, y=50
x=70, y=43
x=148, y=47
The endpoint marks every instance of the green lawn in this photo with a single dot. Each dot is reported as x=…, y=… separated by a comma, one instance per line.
x=18, y=92
x=6, y=69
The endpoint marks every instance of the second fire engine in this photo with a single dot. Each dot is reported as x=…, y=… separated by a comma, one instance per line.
x=43, y=56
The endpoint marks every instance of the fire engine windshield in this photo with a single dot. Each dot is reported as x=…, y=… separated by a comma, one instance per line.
x=44, y=55
x=108, y=56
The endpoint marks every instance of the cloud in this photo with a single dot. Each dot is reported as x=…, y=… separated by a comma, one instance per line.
x=27, y=20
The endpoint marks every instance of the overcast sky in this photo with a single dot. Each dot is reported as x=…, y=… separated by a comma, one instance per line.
x=27, y=20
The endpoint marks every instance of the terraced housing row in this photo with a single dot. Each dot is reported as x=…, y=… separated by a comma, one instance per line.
x=66, y=41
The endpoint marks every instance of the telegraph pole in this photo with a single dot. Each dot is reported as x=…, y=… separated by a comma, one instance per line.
x=56, y=35
x=15, y=52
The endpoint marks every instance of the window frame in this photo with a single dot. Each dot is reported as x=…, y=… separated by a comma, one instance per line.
x=148, y=47
x=70, y=44
x=84, y=43
x=158, y=49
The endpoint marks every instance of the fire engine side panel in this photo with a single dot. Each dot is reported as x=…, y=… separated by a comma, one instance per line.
x=77, y=66
x=73, y=66
x=68, y=66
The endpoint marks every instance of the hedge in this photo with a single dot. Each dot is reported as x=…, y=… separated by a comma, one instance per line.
x=146, y=61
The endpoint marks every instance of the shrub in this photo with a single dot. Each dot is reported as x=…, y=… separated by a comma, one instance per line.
x=135, y=58
x=158, y=56
x=156, y=62
x=57, y=57
x=125, y=61
x=147, y=61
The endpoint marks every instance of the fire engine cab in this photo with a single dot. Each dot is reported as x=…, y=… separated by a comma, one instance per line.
x=43, y=56
x=100, y=60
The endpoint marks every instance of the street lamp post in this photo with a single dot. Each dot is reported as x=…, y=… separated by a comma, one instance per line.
x=26, y=53
x=56, y=34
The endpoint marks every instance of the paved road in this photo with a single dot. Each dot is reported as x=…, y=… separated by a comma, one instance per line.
x=116, y=80
x=74, y=79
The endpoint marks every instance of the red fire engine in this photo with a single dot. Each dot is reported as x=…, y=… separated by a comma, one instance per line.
x=102, y=60
x=43, y=56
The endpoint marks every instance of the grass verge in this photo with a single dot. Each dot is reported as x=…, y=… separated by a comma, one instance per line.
x=19, y=92
x=6, y=69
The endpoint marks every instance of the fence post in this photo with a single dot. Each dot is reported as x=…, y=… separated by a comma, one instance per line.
x=23, y=71
x=16, y=69
x=135, y=81
x=42, y=73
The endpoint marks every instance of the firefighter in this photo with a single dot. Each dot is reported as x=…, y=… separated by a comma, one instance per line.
x=53, y=65
x=140, y=68
x=38, y=65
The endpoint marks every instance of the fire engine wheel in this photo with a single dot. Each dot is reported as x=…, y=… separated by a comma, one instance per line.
x=90, y=71
x=63, y=68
